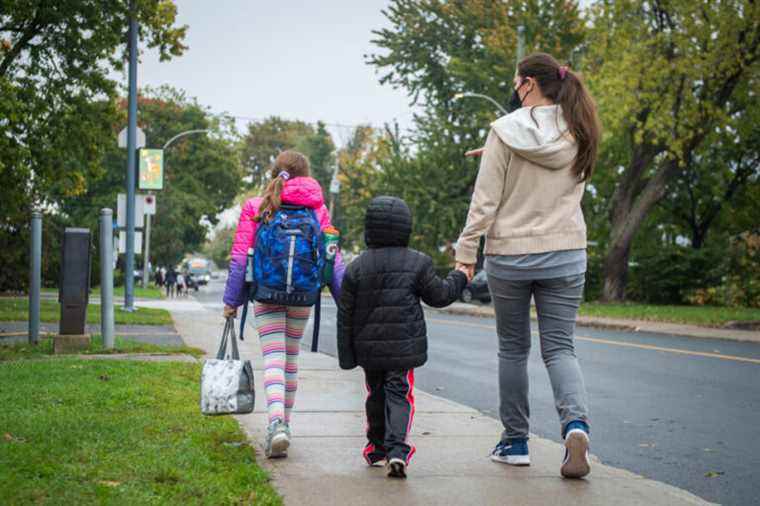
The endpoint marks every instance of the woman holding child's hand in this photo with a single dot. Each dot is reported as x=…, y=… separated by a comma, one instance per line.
x=527, y=201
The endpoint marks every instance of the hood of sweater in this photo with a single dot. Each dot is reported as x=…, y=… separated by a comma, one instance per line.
x=538, y=134
x=388, y=223
x=303, y=191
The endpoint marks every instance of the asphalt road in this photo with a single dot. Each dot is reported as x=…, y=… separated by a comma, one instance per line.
x=678, y=410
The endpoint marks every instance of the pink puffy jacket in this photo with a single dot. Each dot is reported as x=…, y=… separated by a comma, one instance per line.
x=300, y=191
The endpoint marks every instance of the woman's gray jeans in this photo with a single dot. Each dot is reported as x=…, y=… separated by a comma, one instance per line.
x=557, y=301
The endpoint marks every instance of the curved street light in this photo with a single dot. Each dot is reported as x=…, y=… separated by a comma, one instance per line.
x=480, y=95
x=183, y=134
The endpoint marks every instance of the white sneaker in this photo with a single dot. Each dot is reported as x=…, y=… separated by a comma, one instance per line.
x=576, y=463
x=396, y=468
x=278, y=440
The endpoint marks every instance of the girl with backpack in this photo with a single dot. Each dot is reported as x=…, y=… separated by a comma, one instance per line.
x=527, y=201
x=280, y=327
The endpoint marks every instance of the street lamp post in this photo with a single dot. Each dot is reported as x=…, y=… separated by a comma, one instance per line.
x=146, y=257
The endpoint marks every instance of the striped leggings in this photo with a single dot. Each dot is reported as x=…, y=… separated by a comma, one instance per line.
x=280, y=330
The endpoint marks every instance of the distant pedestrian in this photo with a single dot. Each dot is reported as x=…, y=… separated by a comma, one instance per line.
x=159, y=278
x=527, y=200
x=280, y=326
x=181, y=288
x=171, y=280
x=381, y=327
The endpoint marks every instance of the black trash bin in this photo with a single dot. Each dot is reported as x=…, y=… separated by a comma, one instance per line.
x=74, y=290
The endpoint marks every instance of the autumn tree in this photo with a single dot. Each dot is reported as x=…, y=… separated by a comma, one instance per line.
x=666, y=75
x=57, y=102
x=202, y=173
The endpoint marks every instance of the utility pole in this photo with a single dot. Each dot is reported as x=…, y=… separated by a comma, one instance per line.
x=129, y=280
x=146, y=255
x=520, y=45
x=334, y=190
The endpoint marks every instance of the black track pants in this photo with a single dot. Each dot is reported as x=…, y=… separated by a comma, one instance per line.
x=390, y=411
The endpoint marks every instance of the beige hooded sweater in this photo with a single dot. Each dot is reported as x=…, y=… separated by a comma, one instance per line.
x=526, y=198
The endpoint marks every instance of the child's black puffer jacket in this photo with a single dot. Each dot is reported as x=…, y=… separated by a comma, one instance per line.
x=381, y=324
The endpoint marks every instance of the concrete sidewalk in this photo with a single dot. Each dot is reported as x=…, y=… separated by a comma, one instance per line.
x=451, y=466
x=675, y=329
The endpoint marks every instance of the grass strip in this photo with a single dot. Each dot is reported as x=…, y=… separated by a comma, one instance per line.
x=44, y=349
x=151, y=292
x=119, y=432
x=712, y=316
x=17, y=309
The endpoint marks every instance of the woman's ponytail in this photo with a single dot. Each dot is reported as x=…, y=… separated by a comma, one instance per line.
x=565, y=88
x=289, y=164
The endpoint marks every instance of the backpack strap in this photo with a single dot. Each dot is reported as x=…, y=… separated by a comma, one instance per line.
x=317, y=314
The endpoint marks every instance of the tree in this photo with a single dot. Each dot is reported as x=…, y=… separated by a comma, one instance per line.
x=202, y=173
x=56, y=102
x=666, y=75
x=265, y=140
x=319, y=147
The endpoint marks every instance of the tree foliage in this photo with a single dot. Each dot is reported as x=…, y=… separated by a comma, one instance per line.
x=666, y=75
x=56, y=102
x=202, y=173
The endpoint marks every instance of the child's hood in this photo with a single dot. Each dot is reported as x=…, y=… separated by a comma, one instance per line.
x=388, y=223
x=303, y=191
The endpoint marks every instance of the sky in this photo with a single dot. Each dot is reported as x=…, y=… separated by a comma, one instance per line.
x=295, y=59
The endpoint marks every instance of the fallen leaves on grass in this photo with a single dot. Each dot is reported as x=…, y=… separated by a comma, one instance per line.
x=109, y=483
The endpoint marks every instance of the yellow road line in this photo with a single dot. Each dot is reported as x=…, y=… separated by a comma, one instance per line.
x=619, y=343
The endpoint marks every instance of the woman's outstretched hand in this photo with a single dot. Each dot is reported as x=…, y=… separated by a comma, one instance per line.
x=467, y=269
x=229, y=311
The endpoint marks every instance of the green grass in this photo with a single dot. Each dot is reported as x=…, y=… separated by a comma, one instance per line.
x=151, y=292
x=712, y=316
x=17, y=309
x=119, y=432
x=44, y=349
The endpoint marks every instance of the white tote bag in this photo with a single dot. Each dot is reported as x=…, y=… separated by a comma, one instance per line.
x=227, y=382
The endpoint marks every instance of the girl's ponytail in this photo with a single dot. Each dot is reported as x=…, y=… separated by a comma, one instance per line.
x=289, y=164
x=565, y=88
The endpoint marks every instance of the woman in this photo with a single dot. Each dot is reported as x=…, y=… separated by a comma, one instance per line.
x=527, y=200
x=280, y=327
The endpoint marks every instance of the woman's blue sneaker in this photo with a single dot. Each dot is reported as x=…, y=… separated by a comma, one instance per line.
x=576, y=463
x=514, y=452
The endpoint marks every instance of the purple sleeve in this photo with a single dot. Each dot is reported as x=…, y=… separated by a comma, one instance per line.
x=234, y=295
x=339, y=270
x=234, y=291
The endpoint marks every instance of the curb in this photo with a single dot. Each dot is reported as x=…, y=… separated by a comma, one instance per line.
x=584, y=321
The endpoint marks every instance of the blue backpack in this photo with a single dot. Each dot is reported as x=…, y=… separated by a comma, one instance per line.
x=287, y=264
x=289, y=258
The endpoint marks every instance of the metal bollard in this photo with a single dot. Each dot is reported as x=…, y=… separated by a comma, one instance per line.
x=35, y=278
x=106, y=278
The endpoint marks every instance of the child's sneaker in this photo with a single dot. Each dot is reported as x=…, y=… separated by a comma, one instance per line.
x=576, y=463
x=278, y=440
x=514, y=452
x=396, y=468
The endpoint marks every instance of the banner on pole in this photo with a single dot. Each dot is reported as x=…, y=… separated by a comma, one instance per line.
x=151, y=169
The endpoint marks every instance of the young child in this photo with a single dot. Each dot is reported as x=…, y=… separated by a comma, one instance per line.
x=280, y=328
x=381, y=327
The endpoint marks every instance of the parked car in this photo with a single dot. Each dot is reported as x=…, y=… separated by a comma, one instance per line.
x=477, y=289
